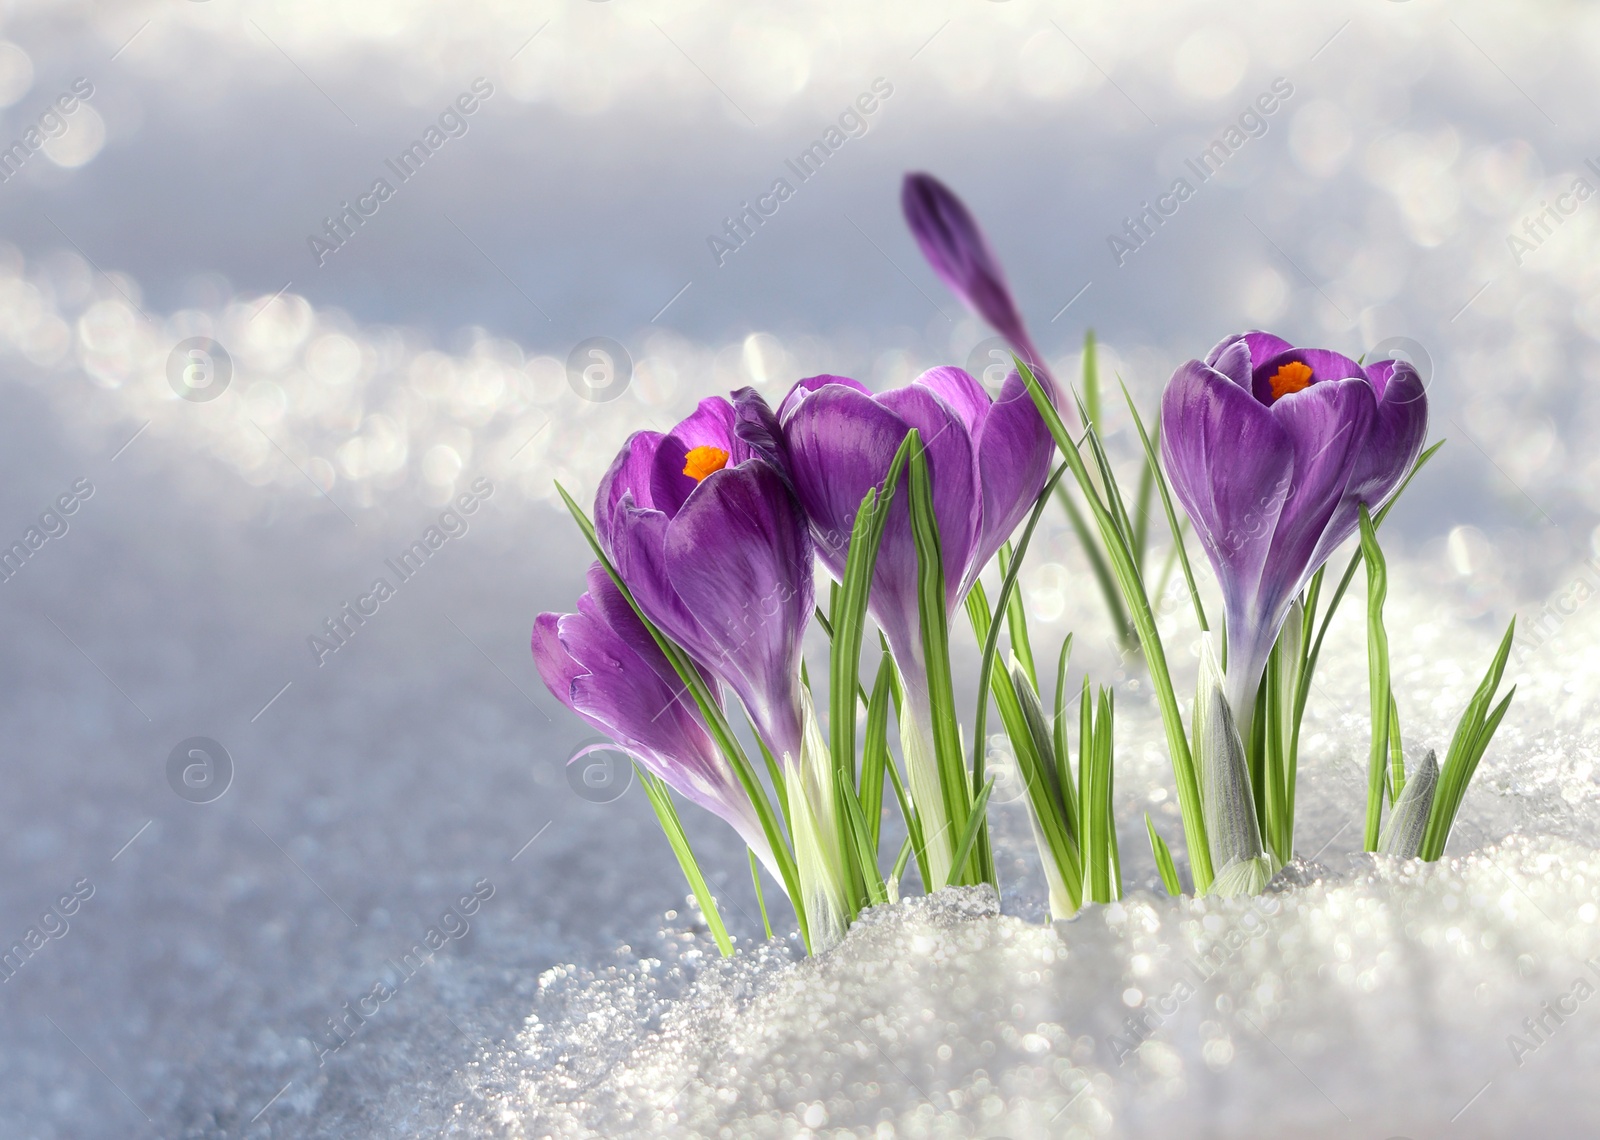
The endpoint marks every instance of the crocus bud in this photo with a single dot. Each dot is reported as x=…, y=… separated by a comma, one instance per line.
x=1403, y=835
x=955, y=247
x=1062, y=905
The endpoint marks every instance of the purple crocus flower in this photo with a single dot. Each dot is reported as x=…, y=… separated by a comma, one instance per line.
x=958, y=252
x=710, y=540
x=1272, y=449
x=603, y=664
x=837, y=440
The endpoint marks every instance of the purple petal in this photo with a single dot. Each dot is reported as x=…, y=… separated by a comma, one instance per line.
x=740, y=558
x=956, y=249
x=1397, y=434
x=1231, y=465
x=629, y=471
x=841, y=442
x=1014, y=451
x=1261, y=345
x=756, y=428
x=953, y=474
x=607, y=676
x=805, y=387
x=1328, y=425
x=1391, y=449
x=1232, y=359
x=639, y=541
x=958, y=388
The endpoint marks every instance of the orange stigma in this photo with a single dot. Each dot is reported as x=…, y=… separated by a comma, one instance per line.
x=702, y=461
x=1291, y=377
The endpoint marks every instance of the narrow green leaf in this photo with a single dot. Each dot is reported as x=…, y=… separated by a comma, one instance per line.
x=1063, y=758
x=661, y=800
x=1377, y=677
x=1397, y=761
x=1101, y=570
x=974, y=823
x=1164, y=864
x=761, y=899
x=1016, y=616
x=1138, y=602
x=1011, y=691
x=900, y=862
x=991, y=635
x=875, y=759
x=1472, y=736
x=936, y=657
x=1344, y=583
x=1091, y=377
x=1153, y=464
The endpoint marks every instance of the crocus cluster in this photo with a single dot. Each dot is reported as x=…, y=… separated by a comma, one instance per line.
x=711, y=535
x=715, y=527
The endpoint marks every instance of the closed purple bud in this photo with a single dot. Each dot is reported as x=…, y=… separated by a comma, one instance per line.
x=955, y=247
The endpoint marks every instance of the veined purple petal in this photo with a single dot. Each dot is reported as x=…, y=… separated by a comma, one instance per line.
x=841, y=442
x=1014, y=450
x=756, y=426
x=958, y=252
x=739, y=557
x=638, y=551
x=1232, y=359
x=803, y=388
x=618, y=682
x=1260, y=345
x=961, y=391
x=1231, y=465
x=1327, y=424
x=1393, y=444
x=953, y=475
x=629, y=471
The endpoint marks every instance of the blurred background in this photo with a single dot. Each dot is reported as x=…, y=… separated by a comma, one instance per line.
x=281, y=283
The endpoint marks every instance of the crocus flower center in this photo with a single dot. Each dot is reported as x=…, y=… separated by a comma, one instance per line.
x=1291, y=377
x=702, y=461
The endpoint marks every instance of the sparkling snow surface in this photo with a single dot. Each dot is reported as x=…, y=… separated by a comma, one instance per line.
x=193, y=989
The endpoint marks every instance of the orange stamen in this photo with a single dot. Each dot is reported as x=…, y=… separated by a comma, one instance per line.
x=702, y=461
x=1291, y=377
